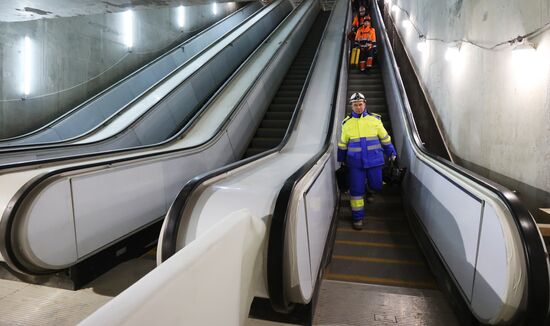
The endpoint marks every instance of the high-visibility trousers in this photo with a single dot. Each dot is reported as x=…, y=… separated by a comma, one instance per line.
x=365, y=58
x=357, y=178
x=354, y=58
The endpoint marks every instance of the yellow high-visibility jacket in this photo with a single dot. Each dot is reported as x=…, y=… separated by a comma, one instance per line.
x=364, y=141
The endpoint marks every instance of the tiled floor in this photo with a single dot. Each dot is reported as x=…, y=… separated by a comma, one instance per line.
x=27, y=304
x=345, y=303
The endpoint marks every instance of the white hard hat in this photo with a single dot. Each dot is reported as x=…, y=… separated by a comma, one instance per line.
x=356, y=97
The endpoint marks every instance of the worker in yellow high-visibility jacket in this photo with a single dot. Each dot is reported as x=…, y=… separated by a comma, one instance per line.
x=362, y=146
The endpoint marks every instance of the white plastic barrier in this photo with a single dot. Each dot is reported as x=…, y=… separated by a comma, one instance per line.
x=209, y=282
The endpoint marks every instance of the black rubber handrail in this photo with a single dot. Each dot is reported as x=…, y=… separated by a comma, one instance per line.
x=174, y=216
x=61, y=143
x=533, y=247
x=277, y=231
x=117, y=83
x=180, y=134
x=10, y=213
x=536, y=259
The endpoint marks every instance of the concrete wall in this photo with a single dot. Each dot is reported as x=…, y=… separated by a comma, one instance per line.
x=494, y=106
x=74, y=58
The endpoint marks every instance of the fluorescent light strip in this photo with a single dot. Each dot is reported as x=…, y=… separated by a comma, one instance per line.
x=128, y=18
x=181, y=16
x=27, y=65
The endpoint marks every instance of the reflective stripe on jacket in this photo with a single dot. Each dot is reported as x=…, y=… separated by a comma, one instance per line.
x=364, y=140
x=366, y=35
x=358, y=20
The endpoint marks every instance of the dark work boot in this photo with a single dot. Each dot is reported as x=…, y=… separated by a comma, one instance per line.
x=357, y=224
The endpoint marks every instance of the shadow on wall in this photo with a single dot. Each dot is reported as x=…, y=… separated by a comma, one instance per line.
x=485, y=304
x=49, y=66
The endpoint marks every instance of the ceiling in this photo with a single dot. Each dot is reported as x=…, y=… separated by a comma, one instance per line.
x=22, y=10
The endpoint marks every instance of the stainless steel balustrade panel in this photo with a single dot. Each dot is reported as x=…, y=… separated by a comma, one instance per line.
x=88, y=115
x=452, y=210
x=119, y=192
x=157, y=123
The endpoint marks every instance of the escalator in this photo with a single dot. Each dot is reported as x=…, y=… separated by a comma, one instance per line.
x=277, y=118
x=384, y=252
x=480, y=243
x=382, y=261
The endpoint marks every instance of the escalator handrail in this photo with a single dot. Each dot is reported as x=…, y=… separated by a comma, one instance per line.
x=180, y=134
x=119, y=82
x=10, y=213
x=536, y=259
x=277, y=231
x=174, y=216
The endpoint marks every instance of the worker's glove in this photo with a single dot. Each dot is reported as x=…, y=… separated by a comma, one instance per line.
x=356, y=44
x=392, y=158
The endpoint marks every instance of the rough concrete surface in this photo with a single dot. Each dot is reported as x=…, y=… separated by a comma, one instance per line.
x=494, y=105
x=71, y=59
x=21, y=10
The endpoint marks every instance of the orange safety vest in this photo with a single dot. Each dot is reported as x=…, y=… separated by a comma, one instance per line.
x=366, y=35
x=358, y=20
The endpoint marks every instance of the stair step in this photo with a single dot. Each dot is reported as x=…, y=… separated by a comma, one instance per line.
x=265, y=142
x=271, y=132
x=253, y=151
x=285, y=100
x=278, y=115
x=274, y=123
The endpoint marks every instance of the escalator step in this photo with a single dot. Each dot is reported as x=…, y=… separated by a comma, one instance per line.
x=281, y=107
x=278, y=115
x=362, y=82
x=277, y=118
x=287, y=87
x=265, y=143
x=274, y=124
x=293, y=93
x=285, y=100
x=271, y=132
x=253, y=151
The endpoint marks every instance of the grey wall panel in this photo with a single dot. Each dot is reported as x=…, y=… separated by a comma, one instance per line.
x=202, y=82
x=176, y=173
x=240, y=131
x=108, y=206
x=160, y=126
x=452, y=219
x=492, y=287
x=51, y=237
x=182, y=104
x=84, y=119
x=130, y=139
x=217, y=68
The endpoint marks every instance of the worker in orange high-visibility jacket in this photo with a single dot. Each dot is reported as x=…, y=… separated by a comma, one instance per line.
x=362, y=146
x=359, y=19
x=365, y=38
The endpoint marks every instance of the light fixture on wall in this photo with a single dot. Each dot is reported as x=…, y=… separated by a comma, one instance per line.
x=388, y=2
x=522, y=44
x=407, y=23
x=422, y=46
x=27, y=65
x=128, y=23
x=394, y=8
x=181, y=16
x=452, y=52
x=215, y=8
